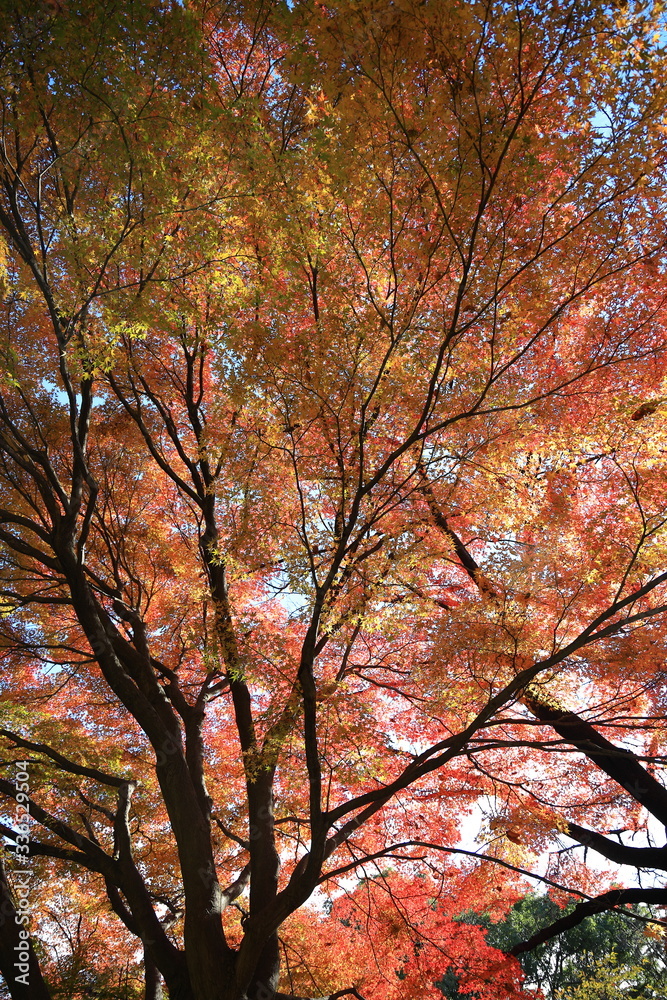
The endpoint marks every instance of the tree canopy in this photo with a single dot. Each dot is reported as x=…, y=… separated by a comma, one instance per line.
x=333, y=394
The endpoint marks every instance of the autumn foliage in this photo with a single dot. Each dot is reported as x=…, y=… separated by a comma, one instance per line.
x=333, y=594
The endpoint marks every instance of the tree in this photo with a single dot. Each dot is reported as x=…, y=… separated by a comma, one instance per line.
x=331, y=481
x=609, y=948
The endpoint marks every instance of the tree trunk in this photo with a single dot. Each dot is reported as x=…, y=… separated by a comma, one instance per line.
x=18, y=962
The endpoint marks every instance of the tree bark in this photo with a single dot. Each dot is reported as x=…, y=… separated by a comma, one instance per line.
x=619, y=764
x=18, y=962
x=152, y=980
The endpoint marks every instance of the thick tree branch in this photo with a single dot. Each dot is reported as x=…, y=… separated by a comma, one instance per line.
x=63, y=762
x=619, y=764
x=162, y=952
x=607, y=901
x=620, y=854
x=97, y=859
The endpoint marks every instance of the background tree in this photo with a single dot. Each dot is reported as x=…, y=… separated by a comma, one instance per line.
x=331, y=478
x=624, y=952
